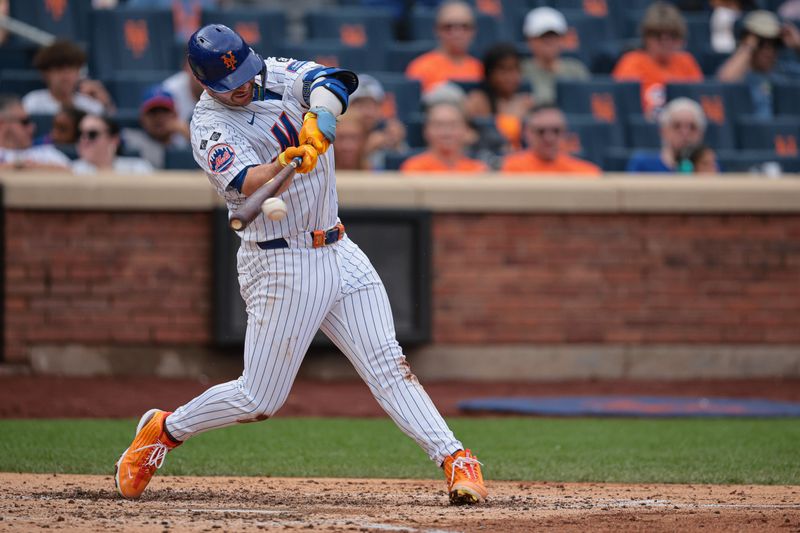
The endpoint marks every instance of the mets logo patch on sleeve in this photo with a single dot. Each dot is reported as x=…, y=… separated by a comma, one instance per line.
x=220, y=158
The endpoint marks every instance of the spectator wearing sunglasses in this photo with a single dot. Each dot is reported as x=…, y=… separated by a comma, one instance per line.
x=447, y=135
x=161, y=128
x=455, y=31
x=16, y=140
x=661, y=60
x=682, y=128
x=98, y=146
x=60, y=65
x=755, y=61
x=544, y=131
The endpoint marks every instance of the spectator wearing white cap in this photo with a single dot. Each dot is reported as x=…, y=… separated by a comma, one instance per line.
x=385, y=133
x=544, y=30
x=755, y=61
x=162, y=128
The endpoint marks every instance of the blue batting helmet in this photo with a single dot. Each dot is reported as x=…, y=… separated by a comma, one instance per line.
x=221, y=59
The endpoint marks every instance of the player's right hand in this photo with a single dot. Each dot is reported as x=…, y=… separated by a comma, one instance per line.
x=305, y=151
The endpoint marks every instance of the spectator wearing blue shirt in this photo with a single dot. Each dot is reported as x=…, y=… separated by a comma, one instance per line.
x=682, y=128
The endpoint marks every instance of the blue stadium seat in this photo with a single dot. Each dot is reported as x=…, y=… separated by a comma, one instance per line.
x=402, y=93
x=133, y=39
x=400, y=55
x=335, y=54
x=42, y=124
x=642, y=133
x=356, y=27
x=699, y=28
x=785, y=98
x=778, y=135
x=16, y=56
x=587, y=35
x=20, y=82
x=616, y=159
x=593, y=137
x=263, y=29
x=414, y=131
x=179, y=159
x=127, y=117
x=68, y=19
x=710, y=61
x=602, y=98
x=489, y=30
x=756, y=162
x=128, y=88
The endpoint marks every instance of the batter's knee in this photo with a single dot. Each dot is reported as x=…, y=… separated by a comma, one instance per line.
x=259, y=405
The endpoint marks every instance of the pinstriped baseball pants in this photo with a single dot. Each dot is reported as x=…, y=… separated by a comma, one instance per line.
x=290, y=294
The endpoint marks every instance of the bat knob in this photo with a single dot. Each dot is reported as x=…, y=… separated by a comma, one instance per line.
x=296, y=161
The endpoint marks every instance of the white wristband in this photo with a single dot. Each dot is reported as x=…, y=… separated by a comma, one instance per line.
x=322, y=97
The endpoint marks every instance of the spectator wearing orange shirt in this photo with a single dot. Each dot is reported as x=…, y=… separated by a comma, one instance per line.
x=662, y=59
x=447, y=136
x=455, y=30
x=544, y=133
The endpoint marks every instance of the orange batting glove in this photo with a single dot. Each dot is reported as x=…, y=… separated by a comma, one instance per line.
x=306, y=151
x=319, y=129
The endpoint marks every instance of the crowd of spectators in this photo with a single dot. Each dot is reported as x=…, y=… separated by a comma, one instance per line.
x=494, y=110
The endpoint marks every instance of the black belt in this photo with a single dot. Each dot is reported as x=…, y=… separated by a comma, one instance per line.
x=319, y=238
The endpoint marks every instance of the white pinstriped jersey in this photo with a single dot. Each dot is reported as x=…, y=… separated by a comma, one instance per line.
x=226, y=140
x=292, y=292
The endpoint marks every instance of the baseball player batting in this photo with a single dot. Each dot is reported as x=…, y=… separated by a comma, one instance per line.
x=298, y=274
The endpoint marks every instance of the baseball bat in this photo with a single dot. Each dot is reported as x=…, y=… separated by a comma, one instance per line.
x=251, y=208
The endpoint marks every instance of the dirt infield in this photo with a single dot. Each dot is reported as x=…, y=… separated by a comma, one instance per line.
x=89, y=503
x=56, y=397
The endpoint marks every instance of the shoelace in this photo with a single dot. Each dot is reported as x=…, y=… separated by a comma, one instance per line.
x=157, y=456
x=462, y=462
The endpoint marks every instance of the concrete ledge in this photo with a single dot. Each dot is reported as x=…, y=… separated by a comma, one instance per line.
x=79, y=360
x=492, y=193
x=448, y=362
x=551, y=363
x=169, y=191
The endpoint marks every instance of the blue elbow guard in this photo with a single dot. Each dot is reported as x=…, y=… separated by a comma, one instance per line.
x=342, y=83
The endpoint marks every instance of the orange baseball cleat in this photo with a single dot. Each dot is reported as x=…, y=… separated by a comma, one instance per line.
x=464, y=478
x=145, y=455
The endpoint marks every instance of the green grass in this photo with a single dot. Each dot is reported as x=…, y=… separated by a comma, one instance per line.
x=610, y=450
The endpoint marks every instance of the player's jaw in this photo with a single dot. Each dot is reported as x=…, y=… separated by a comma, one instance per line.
x=240, y=96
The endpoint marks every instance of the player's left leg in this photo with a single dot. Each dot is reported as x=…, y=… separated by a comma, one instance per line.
x=361, y=325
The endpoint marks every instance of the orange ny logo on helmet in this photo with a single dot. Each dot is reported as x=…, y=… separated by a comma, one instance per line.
x=136, y=36
x=56, y=8
x=230, y=60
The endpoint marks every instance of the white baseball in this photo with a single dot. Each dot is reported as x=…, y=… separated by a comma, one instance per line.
x=274, y=209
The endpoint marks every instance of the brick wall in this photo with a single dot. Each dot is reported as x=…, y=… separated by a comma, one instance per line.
x=102, y=278
x=143, y=278
x=617, y=279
